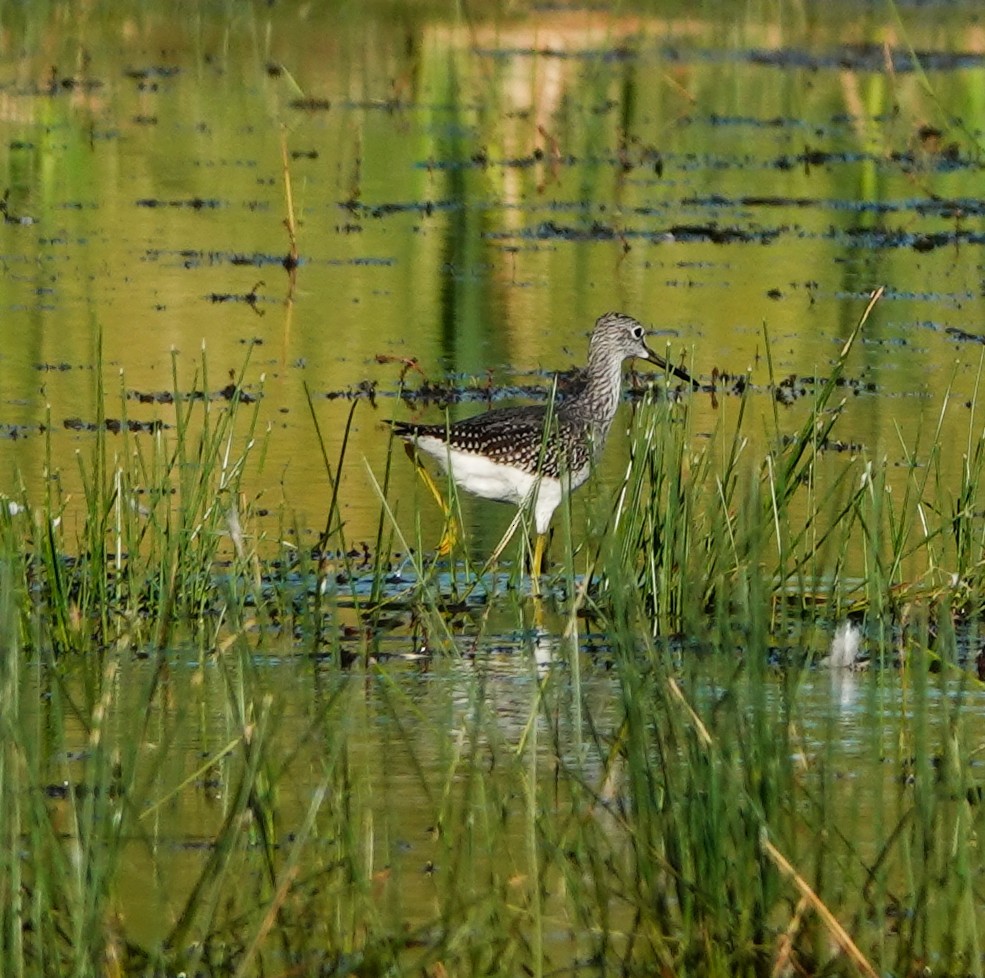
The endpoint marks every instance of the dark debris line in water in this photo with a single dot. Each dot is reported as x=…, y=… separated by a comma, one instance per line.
x=928, y=207
x=861, y=57
x=598, y=231
x=194, y=258
x=117, y=425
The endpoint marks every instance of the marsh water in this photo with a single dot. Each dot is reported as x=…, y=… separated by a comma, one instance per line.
x=470, y=194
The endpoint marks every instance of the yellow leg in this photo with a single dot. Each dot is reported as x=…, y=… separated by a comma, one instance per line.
x=536, y=565
x=538, y=558
x=450, y=535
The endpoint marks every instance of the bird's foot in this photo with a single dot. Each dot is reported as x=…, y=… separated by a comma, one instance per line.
x=449, y=538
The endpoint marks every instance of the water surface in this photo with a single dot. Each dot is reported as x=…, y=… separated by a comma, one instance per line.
x=471, y=193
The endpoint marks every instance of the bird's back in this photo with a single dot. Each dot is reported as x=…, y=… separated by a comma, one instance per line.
x=510, y=436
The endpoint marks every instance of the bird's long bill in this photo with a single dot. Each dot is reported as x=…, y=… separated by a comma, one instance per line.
x=678, y=372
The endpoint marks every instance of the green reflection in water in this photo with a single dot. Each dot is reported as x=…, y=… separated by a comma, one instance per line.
x=476, y=192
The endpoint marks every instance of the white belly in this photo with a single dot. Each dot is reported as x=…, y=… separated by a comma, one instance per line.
x=502, y=483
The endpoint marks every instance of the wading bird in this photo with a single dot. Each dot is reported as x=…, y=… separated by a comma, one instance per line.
x=531, y=456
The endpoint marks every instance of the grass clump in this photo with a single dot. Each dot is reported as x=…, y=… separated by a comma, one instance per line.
x=186, y=788
x=811, y=532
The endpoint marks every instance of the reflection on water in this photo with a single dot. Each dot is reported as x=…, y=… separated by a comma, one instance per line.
x=470, y=196
x=414, y=738
x=473, y=196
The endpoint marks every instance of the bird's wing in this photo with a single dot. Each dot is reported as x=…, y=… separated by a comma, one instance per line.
x=511, y=436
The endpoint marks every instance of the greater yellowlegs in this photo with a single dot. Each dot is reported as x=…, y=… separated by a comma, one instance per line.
x=531, y=456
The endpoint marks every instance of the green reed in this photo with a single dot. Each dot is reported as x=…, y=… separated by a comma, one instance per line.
x=674, y=802
x=697, y=527
x=732, y=553
x=723, y=794
x=159, y=511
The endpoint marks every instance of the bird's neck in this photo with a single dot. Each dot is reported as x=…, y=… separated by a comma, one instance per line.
x=599, y=399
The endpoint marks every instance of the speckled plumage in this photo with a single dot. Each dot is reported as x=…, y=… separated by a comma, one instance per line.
x=504, y=454
x=513, y=437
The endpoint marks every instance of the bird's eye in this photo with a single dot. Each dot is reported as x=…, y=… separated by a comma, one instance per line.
x=638, y=332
